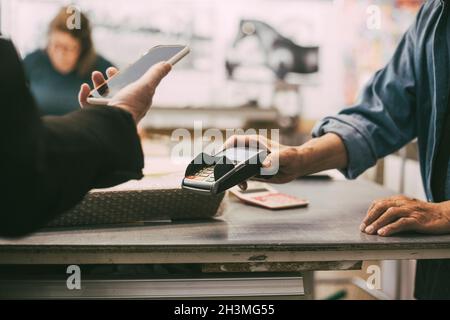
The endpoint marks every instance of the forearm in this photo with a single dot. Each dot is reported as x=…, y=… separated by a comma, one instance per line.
x=94, y=147
x=72, y=154
x=322, y=153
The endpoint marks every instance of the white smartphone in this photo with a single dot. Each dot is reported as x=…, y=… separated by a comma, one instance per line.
x=102, y=94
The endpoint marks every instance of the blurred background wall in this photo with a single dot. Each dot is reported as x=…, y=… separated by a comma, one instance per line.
x=354, y=38
x=350, y=48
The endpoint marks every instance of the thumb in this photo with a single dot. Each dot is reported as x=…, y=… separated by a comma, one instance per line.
x=271, y=165
x=267, y=163
x=155, y=74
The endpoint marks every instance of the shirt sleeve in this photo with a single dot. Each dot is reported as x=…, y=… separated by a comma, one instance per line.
x=48, y=164
x=385, y=118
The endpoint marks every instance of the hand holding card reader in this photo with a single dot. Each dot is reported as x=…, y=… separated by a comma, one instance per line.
x=214, y=174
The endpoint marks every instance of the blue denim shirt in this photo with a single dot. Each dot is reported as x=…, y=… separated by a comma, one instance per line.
x=405, y=100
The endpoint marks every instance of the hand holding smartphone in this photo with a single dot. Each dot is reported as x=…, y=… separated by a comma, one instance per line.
x=102, y=94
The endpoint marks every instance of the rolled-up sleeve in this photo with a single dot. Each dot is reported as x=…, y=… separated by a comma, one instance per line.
x=384, y=119
x=359, y=153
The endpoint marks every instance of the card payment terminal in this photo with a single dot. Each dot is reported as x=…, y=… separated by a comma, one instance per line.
x=214, y=174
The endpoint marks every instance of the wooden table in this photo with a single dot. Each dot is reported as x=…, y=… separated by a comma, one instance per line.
x=245, y=240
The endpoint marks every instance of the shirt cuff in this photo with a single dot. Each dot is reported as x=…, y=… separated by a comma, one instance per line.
x=360, y=156
x=121, y=146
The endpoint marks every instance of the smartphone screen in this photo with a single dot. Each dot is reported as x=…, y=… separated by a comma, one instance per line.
x=155, y=55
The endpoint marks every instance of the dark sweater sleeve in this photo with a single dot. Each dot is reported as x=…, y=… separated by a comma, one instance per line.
x=49, y=164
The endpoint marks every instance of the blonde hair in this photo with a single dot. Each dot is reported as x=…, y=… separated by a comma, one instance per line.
x=83, y=34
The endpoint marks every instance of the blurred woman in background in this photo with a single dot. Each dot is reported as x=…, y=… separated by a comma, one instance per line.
x=56, y=73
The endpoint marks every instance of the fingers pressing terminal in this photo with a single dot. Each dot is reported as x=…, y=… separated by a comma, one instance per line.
x=253, y=141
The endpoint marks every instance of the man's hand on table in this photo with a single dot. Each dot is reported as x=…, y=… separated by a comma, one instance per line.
x=136, y=98
x=397, y=214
